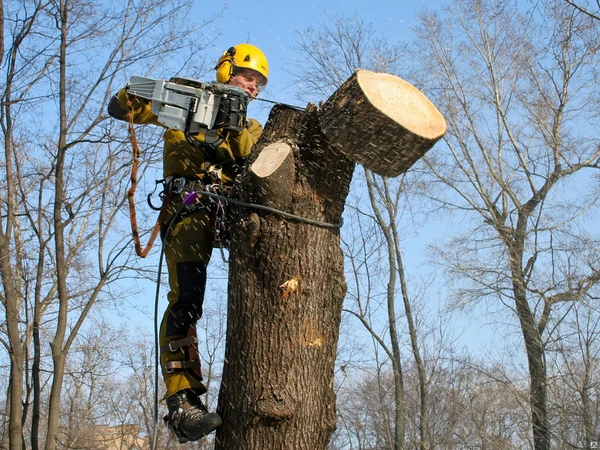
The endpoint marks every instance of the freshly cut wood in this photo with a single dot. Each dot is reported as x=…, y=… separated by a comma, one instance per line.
x=270, y=158
x=273, y=175
x=381, y=122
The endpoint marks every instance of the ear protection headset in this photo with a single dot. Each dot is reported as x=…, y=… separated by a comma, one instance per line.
x=225, y=66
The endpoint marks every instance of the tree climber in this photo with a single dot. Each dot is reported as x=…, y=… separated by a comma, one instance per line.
x=188, y=238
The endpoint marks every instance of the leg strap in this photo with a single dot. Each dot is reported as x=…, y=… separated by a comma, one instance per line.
x=175, y=345
x=171, y=366
x=188, y=349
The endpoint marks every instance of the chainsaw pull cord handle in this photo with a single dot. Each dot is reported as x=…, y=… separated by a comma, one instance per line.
x=142, y=253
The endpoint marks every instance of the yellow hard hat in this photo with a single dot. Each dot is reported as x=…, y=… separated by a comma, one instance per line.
x=242, y=56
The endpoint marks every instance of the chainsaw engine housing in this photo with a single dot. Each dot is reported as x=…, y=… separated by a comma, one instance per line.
x=193, y=106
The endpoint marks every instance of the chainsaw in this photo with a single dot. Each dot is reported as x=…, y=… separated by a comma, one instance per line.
x=193, y=106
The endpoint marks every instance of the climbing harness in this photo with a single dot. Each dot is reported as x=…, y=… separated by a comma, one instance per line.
x=216, y=206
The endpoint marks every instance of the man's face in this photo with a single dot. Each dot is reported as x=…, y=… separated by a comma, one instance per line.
x=249, y=80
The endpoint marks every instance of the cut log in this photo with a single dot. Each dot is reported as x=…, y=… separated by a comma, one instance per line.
x=270, y=159
x=273, y=174
x=381, y=122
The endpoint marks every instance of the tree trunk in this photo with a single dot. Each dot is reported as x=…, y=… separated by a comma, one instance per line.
x=286, y=276
x=287, y=286
x=425, y=440
x=10, y=296
x=58, y=353
x=15, y=409
x=536, y=359
x=399, y=403
x=12, y=305
x=36, y=381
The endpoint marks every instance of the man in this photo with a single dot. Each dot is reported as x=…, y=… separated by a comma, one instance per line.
x=188, y=238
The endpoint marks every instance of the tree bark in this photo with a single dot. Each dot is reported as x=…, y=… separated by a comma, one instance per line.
x=58, y=353
x=10, y=295
x=536, y=358
x=399, y=403
x=286, y=276
x=287, y=286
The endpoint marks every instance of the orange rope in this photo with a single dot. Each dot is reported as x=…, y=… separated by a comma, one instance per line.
x=131, y=192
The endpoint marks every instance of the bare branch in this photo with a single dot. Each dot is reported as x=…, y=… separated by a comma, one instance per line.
x=595, y=16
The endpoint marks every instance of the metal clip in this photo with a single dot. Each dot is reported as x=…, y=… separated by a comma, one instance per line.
x=161, y=195
x=215, y=171
x=184, y=342
x=178, y=185
x=176, y=344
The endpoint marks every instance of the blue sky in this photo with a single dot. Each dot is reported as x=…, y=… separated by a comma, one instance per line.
x=274, y=25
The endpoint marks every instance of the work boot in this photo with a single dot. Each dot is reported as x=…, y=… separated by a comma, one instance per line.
x=188, y=418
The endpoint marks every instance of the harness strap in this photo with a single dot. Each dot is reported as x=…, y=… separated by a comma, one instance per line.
x=175, y=345
x=142, y=253
x=171, y=366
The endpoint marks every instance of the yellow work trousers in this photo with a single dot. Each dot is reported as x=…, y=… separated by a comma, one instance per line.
x=188, y=248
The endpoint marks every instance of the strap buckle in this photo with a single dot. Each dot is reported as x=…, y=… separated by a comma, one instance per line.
x=176, y=344
x=215, y=172
x=177, y=185
x=172, y=366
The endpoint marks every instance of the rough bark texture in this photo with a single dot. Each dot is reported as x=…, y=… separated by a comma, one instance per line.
x=286, y=277
x=286, y=287
x=381, y=122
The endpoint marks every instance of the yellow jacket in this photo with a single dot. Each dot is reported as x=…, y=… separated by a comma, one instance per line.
x=180, y=159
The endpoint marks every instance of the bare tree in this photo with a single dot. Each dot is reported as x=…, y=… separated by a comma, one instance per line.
x=61, y=239
x=478, y=405
x=366, y=412
x=573, y=391
x=587, y=7
x=519, y=106
x=336, y=47
x=331, y=52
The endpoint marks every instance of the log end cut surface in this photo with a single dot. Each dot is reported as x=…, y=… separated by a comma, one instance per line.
x=270, y=159
x=403, y=103
x=381, y=122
